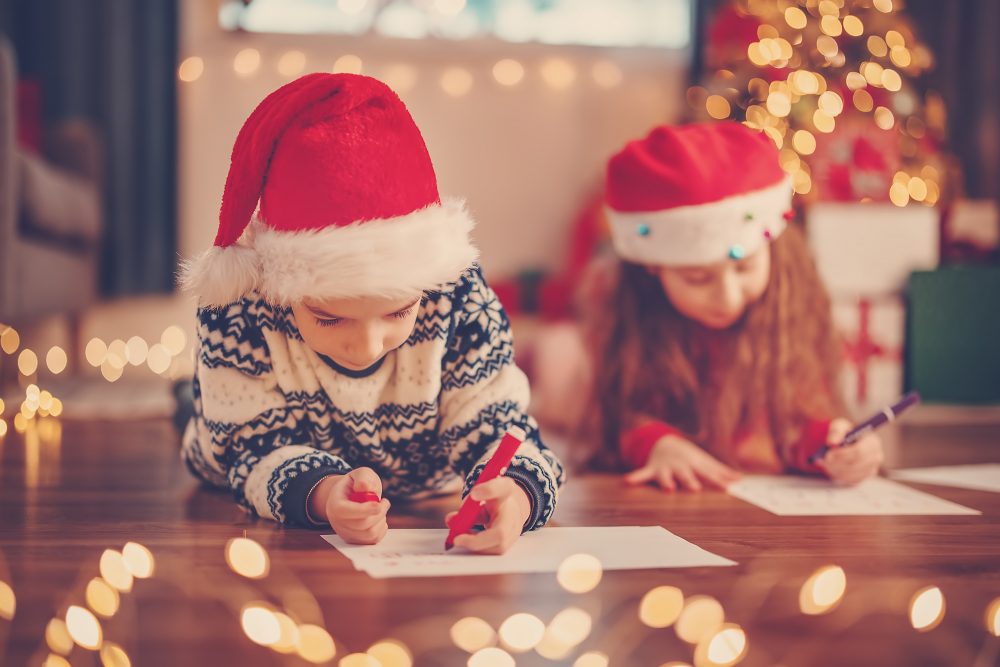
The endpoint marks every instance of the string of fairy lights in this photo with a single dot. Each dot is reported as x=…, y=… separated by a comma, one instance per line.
x=818, y=64
x=558, y=73
x=164, y=357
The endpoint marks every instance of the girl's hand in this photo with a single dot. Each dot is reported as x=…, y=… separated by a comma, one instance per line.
x=853, y=463
x=356, y=523
x=675, y=463
x=507, y=508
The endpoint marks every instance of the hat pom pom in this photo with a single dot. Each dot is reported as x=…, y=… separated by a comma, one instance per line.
x=221, y=275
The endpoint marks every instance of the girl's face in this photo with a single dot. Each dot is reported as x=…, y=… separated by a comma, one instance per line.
x=356, y=333
x=717, y=295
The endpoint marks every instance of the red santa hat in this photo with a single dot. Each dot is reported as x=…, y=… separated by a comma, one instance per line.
x=348, y=202
x=696, y=194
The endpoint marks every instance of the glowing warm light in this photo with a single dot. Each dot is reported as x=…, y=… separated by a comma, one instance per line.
x=779, y=104
x=717, y=107
x=8, y=602
x=891, y=80
x=827, y=46
x=55, y=661
x=260, y=624
x=315, y=644
x=831, y=103
x=899, y=194
x=10, y=340
x=592, y=659
x=27, y=362
x=927, y=609
x=358, y=660
x=804, y=142
x=400, y=77
x=757, y=55
x=491, y=657
x=456, y=81
x=795, y=18
x=20, y=423
x=96, y=352
x=580, y=573
x=508, y=72
x=570, y=626
x=136, y=350
x=823, y=591
x=606, y=74
x=917, y=188
x=877, y=46
x=45, y=401
x=102, y=598
x=111, y=372
x=884, y=6
x=246, y=557
x=138, y=560
x=993, y=618
x=701, y=616
x=900, y=56
x=391, y=653
x=558, y=73
x=173, y=339
x=83, y=627
x=348, y=63
x=246, y=62
x=291, y=63
x=853, y=26
x=856, y=80
x=551, y=648
x=863, y=100
x=113, y=655
x=831, y=26
x=775, y=136
x=57, y=637
x=522, y=632
x=726, y=647
x=117, y=354
x=472, y=634
x=661, y=606
x=3, y=428
x=873, y=73
x=158, y=359
x=56, y=360
x=884, y=118
x=190, y=69
x=115, y=571
x=57, y=407
x=288, y=635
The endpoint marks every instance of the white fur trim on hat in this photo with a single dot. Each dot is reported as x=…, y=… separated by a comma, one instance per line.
x=394, y=257
x=705, y=233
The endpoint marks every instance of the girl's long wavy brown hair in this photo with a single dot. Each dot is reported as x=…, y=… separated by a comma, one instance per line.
x=778, y=365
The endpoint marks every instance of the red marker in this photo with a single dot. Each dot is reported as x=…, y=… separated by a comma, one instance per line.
x=468, y=513
x=363, y=497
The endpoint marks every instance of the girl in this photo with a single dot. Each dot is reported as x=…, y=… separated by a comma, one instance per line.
x=714, y=346
x=348, y=341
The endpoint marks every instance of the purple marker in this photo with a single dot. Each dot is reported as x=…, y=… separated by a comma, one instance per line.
x=887, y=415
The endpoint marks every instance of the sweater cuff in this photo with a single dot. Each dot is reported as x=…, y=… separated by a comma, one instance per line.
x=294, y=500
x=814, y=435
x=637, y=443
x=529, y=475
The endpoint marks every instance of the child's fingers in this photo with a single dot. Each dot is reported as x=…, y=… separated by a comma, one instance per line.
x=688, y=479
x=349, y=510
x=838, y=429
x=481, y=541
x=448, y=517
x=494, y=489
x=641, y=476
x=365, y=479
x=366, y=523
x=665, y=478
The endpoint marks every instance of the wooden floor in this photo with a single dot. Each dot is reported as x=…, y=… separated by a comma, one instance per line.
x=66, y=498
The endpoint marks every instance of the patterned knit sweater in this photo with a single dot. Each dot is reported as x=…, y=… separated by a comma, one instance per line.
x=272, y=417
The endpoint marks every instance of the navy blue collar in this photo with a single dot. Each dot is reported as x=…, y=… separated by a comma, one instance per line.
x=347, y=371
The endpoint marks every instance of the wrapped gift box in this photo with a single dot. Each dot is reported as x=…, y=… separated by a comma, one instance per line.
x=872, y=331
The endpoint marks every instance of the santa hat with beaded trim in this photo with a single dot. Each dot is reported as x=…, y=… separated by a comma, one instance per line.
x=349, y=204
x=696, y=194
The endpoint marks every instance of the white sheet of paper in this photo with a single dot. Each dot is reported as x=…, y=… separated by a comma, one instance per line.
x=420, y=552
x=978, y=476
x=789, y=495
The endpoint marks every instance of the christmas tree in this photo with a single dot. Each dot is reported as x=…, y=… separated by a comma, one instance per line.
x=833, y=83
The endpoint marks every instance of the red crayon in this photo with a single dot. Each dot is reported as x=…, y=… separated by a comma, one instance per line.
x=468, y=513
x=363, y=497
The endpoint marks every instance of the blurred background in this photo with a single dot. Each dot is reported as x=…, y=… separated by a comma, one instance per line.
x=117, y=118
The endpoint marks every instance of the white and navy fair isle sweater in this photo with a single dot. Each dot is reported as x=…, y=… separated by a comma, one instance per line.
x=272, y=417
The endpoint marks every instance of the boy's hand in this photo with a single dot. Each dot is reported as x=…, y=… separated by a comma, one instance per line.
x=507, y=508
x=356, y=523
x=676, y=463
x=854, y=463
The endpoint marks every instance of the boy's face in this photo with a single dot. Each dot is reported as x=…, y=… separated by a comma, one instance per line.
x=717, y=295
x=356, y=333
